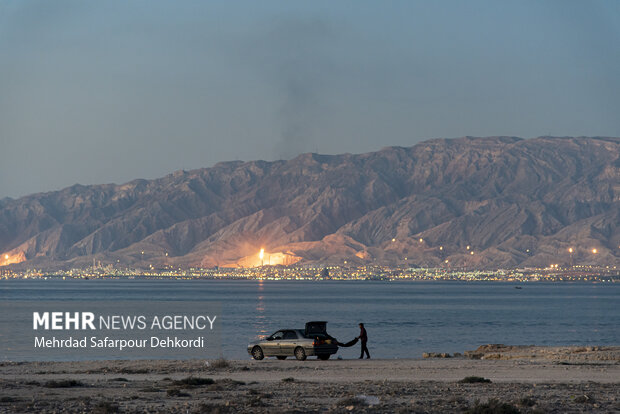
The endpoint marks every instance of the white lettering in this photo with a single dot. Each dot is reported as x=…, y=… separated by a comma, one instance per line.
x=56, y=320
x=61, y=320
x=75, y=320
x=87, y=320
x=40, y=320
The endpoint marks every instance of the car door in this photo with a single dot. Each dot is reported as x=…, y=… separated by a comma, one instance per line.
x=288, y=343
x=271, y=346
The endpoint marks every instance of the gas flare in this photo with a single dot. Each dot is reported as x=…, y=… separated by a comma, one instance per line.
x=8, y=258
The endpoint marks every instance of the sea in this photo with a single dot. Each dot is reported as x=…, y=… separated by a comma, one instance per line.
x=403, y=318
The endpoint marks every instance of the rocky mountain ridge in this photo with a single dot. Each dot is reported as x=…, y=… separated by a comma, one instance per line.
x=509, y=201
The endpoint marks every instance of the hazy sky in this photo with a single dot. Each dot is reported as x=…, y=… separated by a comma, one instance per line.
x=107, y=91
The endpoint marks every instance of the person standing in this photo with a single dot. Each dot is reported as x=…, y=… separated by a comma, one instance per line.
x=364, y=338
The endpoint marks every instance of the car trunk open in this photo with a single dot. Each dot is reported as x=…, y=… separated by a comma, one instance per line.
x=316, y=328
x=323, y=343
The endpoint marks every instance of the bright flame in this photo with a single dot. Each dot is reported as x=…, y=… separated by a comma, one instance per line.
x=285, y=258
x=7, y=259
x=261, y=254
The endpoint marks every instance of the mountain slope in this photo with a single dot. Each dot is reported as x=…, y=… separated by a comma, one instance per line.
x=512, y=201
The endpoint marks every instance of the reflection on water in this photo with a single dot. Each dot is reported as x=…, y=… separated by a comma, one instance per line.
x=260, y=324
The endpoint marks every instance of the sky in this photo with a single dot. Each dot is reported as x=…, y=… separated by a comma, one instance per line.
x=109, y=91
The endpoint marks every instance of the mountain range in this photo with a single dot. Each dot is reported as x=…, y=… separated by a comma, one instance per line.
x=475, y=202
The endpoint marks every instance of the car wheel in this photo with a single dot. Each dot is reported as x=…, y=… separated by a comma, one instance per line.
x=257, y=353
x=300, y=354
x=281, y=357
x=323, y=357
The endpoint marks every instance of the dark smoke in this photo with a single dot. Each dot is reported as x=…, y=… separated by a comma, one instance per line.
x=297, y=57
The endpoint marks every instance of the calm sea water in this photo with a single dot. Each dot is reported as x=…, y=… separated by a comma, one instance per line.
x=403, y=319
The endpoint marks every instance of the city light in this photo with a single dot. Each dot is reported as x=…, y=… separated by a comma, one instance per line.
x=570, y=250
x=6, y=257
x=594, y=251
x=447, y=271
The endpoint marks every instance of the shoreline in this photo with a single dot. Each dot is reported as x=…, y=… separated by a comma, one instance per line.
x=597, y=277
x=311, y=370
x=566, y=379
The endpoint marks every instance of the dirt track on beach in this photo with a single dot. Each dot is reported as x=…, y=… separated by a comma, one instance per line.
x=529, y=379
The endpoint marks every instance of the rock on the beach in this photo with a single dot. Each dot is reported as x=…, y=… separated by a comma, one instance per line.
x=558, y=353
x=436, y=355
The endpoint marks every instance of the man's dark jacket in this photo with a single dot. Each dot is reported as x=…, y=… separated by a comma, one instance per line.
x=363, y=335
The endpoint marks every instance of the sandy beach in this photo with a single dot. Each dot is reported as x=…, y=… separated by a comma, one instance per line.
x=528, y=379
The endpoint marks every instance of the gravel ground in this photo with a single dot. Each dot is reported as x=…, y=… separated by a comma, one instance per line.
x=536, y=382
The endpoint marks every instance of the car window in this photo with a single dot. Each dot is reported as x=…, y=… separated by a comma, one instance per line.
x=277, y=335
x=290, y=335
